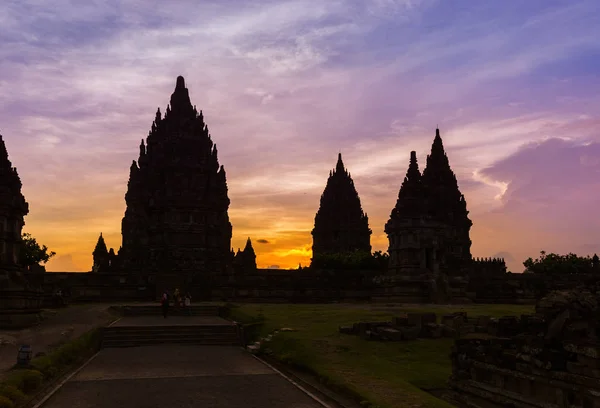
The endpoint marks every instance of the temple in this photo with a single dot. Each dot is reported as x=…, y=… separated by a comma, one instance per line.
x=428, y=229
x=19, y=301
x=245, y=261
x=341, y=226
x=176, y=222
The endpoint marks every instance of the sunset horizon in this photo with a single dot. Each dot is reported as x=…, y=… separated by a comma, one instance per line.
x=285, y=87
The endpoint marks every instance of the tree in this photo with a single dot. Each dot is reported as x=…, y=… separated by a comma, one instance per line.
x=32, y=253
x=553, y=264
x=355, y=260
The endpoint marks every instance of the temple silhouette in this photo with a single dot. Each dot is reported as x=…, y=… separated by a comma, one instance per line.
x=341, y=226
x=176, y=221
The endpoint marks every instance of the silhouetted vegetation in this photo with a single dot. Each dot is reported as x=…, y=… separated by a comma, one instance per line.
x=554, y=264
x=32, y=253
x=351, y=261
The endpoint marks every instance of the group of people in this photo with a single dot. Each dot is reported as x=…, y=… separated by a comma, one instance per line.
x=179, y=301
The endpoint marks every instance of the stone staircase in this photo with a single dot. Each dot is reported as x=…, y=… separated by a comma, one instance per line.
x=155, y=310
x=132, y=336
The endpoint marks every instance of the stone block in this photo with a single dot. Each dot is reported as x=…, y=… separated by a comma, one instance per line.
x=448, y=332
x=410, y=332
x=431, y=330
x=391, y=334
x=347, y=330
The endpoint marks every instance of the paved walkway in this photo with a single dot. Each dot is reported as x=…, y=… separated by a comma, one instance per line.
x=182, y=376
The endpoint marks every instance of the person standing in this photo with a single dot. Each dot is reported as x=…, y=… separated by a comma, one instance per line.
x=188, y=303
x=164, y=304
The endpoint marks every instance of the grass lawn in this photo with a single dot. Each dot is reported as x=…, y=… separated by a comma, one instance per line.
x=386, y=374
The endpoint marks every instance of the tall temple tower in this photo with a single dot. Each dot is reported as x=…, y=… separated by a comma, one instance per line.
x=19, y=303
x=13, y=209
x=447, y=206
x=176, y=221
x=428, y=229
x=341, y=226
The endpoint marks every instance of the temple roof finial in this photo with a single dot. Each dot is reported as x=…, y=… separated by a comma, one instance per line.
x=339, y=167
x=180, y=82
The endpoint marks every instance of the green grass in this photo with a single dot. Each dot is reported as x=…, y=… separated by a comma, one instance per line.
x=383, y=374
x=21, y=383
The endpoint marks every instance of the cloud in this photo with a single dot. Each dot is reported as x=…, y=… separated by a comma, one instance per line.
x=551, y=189
x=262, y=241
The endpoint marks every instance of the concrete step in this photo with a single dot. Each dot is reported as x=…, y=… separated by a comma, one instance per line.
x=173, y=328
x=151, y=310
x=148, y=334
x=147, y=341
x=128, y=336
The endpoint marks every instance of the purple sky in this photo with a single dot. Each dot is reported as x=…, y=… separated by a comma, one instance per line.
x=513, y=86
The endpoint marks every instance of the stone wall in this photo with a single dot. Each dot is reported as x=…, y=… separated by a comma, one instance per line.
x=549, y=359
x=307, y=285
x=82, y=286
x=262, y=285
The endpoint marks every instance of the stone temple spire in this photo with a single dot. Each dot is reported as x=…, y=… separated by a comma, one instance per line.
x=340, y=223
x=180, y=100
x=13, y=209
x=444, y=199
x=100, y=256
x=177, y=221
x=411, y=194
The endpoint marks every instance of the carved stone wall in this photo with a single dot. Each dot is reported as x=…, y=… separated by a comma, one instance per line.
x=549, y=359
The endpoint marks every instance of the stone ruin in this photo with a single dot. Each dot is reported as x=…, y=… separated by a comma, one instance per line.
x=550, y=359
x=411, y=326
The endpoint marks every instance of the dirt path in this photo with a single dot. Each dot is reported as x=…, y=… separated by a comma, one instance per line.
x=58, y=327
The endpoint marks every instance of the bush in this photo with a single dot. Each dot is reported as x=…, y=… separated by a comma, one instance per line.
x=25, y=380
x=6, y=403
x=45, y=365
x=51, y=364
x=12, y=393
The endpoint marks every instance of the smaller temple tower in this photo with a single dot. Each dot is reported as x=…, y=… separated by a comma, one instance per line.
x=105, y=260
x=341, y=226
x=100, y=255
x=410, y=233
x=245, y=261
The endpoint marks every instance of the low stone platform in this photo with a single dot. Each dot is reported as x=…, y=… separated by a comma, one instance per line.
x=178, y=376
x=144, y=321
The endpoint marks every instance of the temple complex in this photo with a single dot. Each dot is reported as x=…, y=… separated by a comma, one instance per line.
x=428, y=229
x=341, y=226
x=176, y=221
x=19, y=302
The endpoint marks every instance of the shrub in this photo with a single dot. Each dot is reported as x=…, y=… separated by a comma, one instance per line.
x=6, y=403
x=12, y=393
x=51, y=364
x=25, y=380
x=45, y=365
